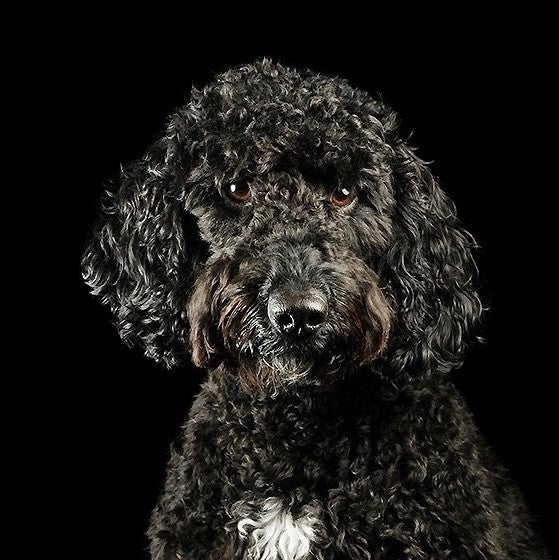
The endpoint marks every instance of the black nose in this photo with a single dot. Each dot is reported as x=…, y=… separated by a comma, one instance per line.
x=297, y=314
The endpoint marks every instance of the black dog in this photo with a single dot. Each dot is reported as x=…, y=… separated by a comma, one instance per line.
x=284, y=232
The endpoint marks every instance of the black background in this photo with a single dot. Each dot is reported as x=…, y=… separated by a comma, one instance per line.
x=474, y=100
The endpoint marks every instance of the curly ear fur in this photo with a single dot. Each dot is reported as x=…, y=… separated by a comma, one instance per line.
x=430, y=272
x=138, y=259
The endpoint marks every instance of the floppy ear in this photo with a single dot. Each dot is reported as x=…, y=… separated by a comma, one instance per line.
x=142, y=251
x=430, y=272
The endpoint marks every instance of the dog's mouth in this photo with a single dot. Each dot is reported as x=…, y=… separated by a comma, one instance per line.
x=297, y=356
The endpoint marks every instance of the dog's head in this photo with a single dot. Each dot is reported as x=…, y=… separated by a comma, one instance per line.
x=282, y=226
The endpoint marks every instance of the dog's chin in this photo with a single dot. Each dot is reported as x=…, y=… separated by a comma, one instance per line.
x=271, y=375
x=291, y=367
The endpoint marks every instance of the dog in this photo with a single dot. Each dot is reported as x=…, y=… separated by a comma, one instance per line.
x=284, y=236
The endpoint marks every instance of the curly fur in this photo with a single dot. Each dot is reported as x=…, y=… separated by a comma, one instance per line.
x=352, y=445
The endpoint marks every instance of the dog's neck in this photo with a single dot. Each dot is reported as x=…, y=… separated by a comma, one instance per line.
x=308, y=407
x=304, y=407
x=320, y=386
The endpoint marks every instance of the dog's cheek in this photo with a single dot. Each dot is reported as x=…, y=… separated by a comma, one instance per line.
x=204, y=339
x=205, y=353
x=362, y=314
x=378, y=317
x=232, y=324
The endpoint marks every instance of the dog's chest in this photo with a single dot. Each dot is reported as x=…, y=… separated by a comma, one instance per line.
x=272, y=532
x=299, y=451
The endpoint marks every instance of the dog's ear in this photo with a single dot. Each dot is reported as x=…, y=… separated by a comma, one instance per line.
x=430, y=272
x=143, y=252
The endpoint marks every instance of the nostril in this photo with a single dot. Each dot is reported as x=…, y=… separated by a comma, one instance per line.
x=285, y=320
x=314, y=319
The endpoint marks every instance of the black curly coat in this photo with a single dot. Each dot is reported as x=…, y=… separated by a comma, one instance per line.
x=351, y=443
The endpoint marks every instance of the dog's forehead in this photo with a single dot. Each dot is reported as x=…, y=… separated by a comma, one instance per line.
x=264, y=114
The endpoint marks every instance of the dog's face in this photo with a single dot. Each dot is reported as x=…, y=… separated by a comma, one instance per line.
x=290, y=288
x=282, y=227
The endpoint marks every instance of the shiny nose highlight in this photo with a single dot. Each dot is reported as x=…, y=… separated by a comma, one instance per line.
x=297, y=314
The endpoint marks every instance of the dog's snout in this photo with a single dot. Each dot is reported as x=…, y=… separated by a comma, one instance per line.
x=297, y=314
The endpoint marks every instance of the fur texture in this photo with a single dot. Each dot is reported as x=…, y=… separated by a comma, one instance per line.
x=271, y=185
x=275, y=535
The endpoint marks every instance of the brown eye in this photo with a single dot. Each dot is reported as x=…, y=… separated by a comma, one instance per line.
x=238, y=192
x=342, y=196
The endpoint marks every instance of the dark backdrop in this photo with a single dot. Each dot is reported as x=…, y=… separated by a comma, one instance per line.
x=473, y=102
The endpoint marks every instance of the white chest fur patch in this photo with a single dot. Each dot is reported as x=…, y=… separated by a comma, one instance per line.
x=275, y=535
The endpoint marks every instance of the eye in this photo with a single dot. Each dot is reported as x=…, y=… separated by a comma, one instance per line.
x=238, y=192
x=342, y=196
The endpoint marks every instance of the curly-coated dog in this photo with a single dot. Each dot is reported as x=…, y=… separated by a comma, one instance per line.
x=283, y=234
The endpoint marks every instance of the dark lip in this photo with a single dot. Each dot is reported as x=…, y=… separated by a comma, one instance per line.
x=304, y=345
x=307, y=349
